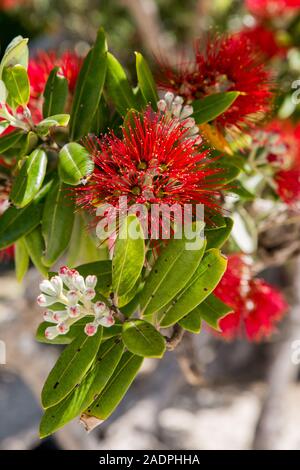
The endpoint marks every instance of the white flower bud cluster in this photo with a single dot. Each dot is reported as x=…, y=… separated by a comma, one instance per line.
x=173, y=107
x=75, y=293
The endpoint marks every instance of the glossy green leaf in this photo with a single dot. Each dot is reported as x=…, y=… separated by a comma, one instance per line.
x=70, y=368
x=101, y=269
x=116, y=387
x=146, y=81
x=15, y=223
x=217, y=237
x=87, y=390
x=192, y=322
x=129, y=256
x=141, y=338
x=212, y=310
x=118, y=87
x=15, y=53
x=172, y=271
x=206, y=278
x=89, y=88
x=55, y=93
x=28, y=143
x=35, y=247
x=210, y=107
x=10, y=140
x=74, y=163
x=21, y=259
x=57, y=223
x=17, y=84
x=43, y=127
x=29, y=179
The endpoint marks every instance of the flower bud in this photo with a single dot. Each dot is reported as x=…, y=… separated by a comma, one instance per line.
x=106, y=321
x=48, y=316
x=45, y=300
x=90, y=329
x=100, y=308
x=161, y=105
x=51, y=332
x=91, y=281
x=89, y=293
x=60, y=315
x=74, y=311
x=63, y=328
x=78, y=282
x=72, y=297
x=47, y=288
x=57, y=285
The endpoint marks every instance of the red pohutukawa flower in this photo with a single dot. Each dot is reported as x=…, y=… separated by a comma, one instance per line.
x=270, y=8
x=41, y=65
x=264, y=41
x=7, y=254
x=257, y=305
x=153, y=162
x=281, y=143
x=228, y=63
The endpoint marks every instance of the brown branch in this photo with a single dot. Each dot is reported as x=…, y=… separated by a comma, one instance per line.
x=176, y=337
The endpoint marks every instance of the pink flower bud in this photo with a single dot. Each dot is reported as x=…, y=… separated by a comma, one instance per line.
x=60, y=316
x=74, y=311
x=72, y=297
x=78, y=282
x=51, y=332
x=89, y=293
x=106, y=321
x=57, y=285
x=91, y=281
x=100, y=308
x=48, y=316
x=45, y=300
x=63, y=328
x=90, y=329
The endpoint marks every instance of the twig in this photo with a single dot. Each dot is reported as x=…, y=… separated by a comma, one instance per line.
x=176, y=337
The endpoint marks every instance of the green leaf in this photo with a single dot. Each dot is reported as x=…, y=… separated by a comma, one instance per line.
x=204, y=281
x=28, y=143
x=15, y=53
x=210, y=107
x=141, y=338
x=17, y=84
x=43, y=127
x=116, y=387
x=74, y=163
x=192, y=322
x=118, y=87
x=70, y=368
x=242, y=192
x=15, y=223
x=89, y=88
x=10, y=140
x=101, y=269
x=217, y=237
x=55, y=93
x=83, y=395
x=57, y=223
x=171, y=272
x=146, y=81
x=129, y=256
x=21, y=259
x=30, y=178
x=35, y=247
x=212, y=310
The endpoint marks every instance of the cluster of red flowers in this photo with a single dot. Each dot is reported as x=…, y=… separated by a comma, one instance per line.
x=271, y=8
x=153, y=162
x=228, y=63
x=257, y=306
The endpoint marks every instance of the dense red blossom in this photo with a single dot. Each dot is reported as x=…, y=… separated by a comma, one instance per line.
x=257, y=305
x=7, y=254
x=40, y=67
x=264, y=40
x=287, y=162
x=270, y=8
x=228, y=63
x=154, y=161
